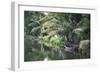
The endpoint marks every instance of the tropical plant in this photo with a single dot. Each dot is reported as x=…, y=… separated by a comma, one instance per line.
x=50, y=34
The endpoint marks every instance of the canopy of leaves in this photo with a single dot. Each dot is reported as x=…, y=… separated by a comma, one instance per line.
x=48, y=34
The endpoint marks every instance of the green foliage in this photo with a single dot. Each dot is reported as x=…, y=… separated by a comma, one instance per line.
x=46, y=34
x=56, y=41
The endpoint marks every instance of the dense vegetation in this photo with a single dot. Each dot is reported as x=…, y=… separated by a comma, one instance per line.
x=56, y=36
